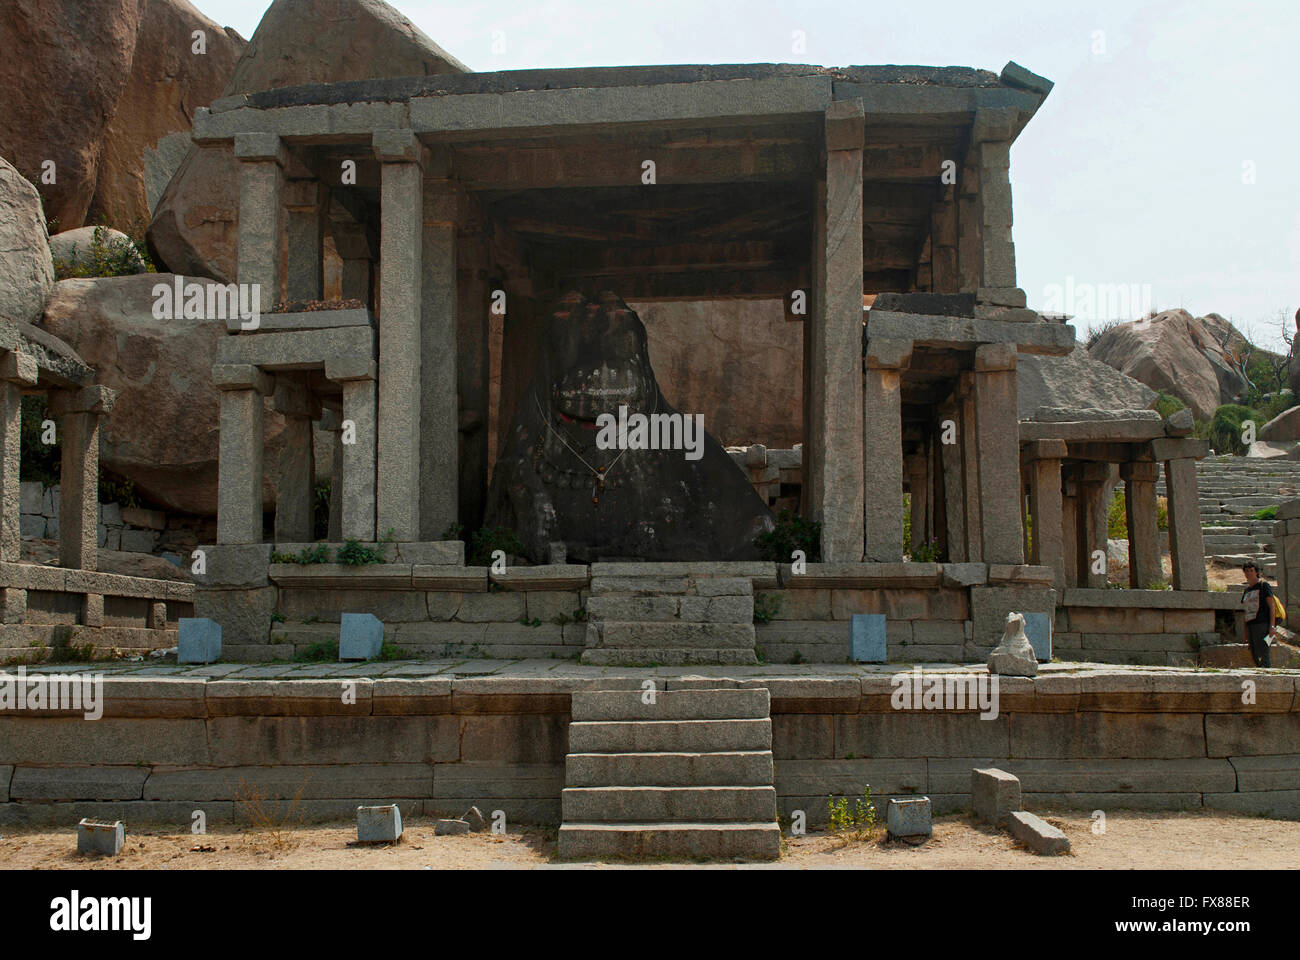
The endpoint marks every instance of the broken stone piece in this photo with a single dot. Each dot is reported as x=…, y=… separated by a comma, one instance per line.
x=474, y=817
x=1014, y=656
x=450, y=828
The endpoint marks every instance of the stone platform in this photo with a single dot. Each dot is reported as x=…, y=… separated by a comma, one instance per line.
x=438, y=736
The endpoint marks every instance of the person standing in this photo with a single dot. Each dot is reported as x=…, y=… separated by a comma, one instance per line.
x=1260, y=614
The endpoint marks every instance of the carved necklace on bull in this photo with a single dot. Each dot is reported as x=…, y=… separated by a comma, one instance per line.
x=599, y=476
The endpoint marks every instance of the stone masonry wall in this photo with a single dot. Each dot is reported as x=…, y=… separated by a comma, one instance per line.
x=1095, y=740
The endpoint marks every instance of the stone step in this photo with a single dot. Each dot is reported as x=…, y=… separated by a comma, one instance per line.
x=751, y=841
x=729, y=704
x=669, y=736
x=668, y=656
x=737, y=767
x=676, y=633
x=655, y=804
x=688, y=609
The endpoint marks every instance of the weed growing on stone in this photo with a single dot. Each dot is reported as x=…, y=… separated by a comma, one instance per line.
x=319, y=652
x=766, y=606
x=487, y=541
x=355, y=554
x=320, y=553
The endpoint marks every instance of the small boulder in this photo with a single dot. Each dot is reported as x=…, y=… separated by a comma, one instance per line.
x=450, y=828
x=84, y=251
x=1014, y=656
x=474, y=817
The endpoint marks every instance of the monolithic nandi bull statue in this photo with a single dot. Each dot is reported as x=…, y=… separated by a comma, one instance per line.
x=596, y=458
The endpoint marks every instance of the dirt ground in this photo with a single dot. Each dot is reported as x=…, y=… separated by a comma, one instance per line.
x=1131, y=839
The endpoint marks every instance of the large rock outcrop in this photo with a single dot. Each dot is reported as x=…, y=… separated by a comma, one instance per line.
x=163, y=432
x=1176, y=353
x=194, y=228
x=167, y=82
x=95, y=87
x=26, y=267
x=64, y=66
x=1075, y=381
x=555, y=482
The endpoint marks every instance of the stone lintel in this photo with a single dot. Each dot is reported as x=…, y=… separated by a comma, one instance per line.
x=995, y=356
x=1121, y=431
x=241, y=376
x=845, y=125
x=1044, y=450
x=303, y=194
x=965, y=332
x=350, y=368
x=883, y=354
x=994, y=124
x=297, y=349
x=444, y=203
x=398, y=146
x=95, y=398
x=264, y=147
x=1179, y=448
x=1141, y=472
x=20, y=368
x=1090, y=472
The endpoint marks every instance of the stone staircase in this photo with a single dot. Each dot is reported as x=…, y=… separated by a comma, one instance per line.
x=670, y=621
x=1232, y=490
x=688, y=776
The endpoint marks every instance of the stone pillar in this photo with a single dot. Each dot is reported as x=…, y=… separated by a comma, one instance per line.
x=239, y=467
x=998, y=447
x=882, y=446
x=400, y=268
x=991, y=137
x=1046, y=510
x=954, y=491
x=938, y=526
x=332, y=421
x=356, y=248
x=261, y=174
x=1186, y=542
x=1091, y=533
x=306, y=204
x=17, y=370
x=1140, y=511
x=970, y=250
x=944, y=275
x=837, y=339
x=79, y=413
x=1070, y=531
x=439, y=406
x=295, y=489
x=357, y=514
x=918, y=487
x=969, y=438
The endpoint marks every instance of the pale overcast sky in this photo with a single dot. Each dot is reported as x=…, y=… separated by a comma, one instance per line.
x=1167, y=158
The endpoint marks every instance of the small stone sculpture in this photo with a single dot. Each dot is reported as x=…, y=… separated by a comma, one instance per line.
x=1014, y=656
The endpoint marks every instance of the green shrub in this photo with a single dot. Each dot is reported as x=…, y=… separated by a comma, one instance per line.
x=320, y=512
x=792, y=532
x=320, y=553
x=1167, y=403
x=766, y=606
x=1267, y=513
x=1224, y=430
x=487, y=541
x=354, y=554
x=1117, y=517
x=108, y=258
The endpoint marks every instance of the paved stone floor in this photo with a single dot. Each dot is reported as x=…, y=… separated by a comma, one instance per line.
x=571, y=669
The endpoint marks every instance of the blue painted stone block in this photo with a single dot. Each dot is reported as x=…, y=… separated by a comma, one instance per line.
x=379, y=824
x=868, y=634
x=909, y=817
x=361, y=635
x=198, y=640
x=1038, y=628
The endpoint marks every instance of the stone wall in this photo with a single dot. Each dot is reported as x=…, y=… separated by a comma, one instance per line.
x=1150, y=627
x=129, y=529
x=1100, y=739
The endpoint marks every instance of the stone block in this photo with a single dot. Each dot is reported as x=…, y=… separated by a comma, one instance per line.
x=361, y=636
x=1037, y=834
x=379, y=824
x=31, y=526
x=551, y=606
x=103, y=782
x=198, y=640
x=433, y=553
x=138, y=541
x=244, y=615
x=718, y=609
x=1038, y=628
x=491, y=607
x=31, y=494
x=868, y=638
x=995, y=794
x=234, y=565
x=1114, y=735
x=101, y=837
x=450, y=828
x=329, y=604
x=908, y=817
x=474, y=817
x=143, y=518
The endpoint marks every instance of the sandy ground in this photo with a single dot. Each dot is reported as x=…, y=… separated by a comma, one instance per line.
x=1131, y=840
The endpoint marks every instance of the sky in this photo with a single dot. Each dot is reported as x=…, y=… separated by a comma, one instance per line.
x=1163, y=170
